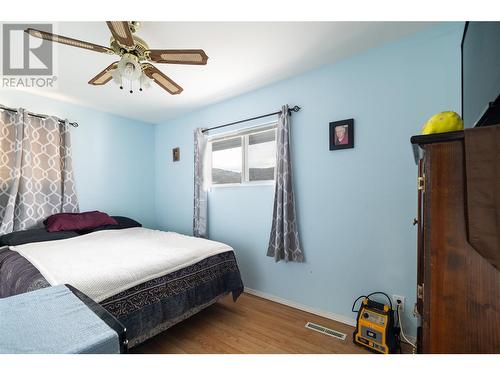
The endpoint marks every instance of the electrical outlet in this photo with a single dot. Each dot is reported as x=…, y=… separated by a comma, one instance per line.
x=395, y=299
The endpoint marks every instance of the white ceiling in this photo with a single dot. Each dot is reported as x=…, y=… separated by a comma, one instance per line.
x=242, y=57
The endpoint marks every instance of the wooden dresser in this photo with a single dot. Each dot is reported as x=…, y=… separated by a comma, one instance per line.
x=458, y=291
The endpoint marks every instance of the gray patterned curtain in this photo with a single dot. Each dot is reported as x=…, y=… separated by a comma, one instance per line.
x=200, y=213
x=284, y=240
x=36, y=175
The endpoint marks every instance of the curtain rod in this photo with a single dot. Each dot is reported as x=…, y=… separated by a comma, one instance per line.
x=73, y=124
x=290, y=110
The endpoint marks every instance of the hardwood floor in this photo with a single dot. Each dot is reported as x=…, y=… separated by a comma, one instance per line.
x=252, y=325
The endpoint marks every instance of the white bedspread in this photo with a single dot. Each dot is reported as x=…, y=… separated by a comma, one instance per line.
x=104, y=263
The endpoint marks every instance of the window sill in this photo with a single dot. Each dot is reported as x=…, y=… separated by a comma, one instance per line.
x=246, y=184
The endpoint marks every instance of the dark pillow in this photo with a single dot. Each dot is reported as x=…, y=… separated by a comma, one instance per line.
x=126, y=222
x=34, y=235
x=123, y=223
x=78, y=221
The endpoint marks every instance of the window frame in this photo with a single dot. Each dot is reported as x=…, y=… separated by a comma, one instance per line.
x=245, y=170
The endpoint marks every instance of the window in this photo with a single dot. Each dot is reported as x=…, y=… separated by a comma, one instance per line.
x=227, y=163
x=244, y=157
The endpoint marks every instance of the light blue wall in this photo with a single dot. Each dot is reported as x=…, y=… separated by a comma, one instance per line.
x=355, y=207
x=113, y=157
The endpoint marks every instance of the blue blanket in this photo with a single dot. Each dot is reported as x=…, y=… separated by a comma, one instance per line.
x=53, y=320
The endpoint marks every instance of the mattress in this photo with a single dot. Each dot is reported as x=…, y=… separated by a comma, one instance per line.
x=105, y=263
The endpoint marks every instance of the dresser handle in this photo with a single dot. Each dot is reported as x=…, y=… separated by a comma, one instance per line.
x=421, y=183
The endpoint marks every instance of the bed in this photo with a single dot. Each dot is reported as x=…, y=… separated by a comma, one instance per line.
x=148, y=279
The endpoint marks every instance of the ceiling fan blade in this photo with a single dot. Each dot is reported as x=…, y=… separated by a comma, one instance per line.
x=178, y=56
x=122, y=34
x=68, y=41
x=105, y=76
x=161, y=79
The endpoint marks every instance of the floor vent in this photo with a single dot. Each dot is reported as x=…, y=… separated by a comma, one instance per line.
x=326, y=331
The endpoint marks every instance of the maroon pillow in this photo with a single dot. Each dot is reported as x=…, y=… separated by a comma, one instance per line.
x=78, y=221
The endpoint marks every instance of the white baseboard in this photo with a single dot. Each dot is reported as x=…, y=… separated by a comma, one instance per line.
x=298, y=306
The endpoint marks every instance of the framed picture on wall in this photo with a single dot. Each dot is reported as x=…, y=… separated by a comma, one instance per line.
x=176, y=154
x=342, y=134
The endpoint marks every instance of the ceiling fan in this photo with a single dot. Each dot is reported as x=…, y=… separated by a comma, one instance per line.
x=135, y=57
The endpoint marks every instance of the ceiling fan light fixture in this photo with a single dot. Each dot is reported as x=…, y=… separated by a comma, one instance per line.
x=145, y=82
x=117, y=77
x=129, y=67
